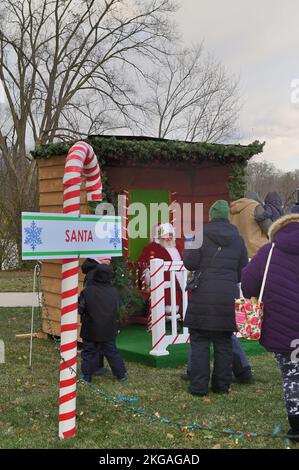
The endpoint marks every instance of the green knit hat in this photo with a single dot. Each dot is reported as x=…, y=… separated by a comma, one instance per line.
x=219, y=210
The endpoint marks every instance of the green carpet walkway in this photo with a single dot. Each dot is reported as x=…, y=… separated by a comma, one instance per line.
x=134, y=344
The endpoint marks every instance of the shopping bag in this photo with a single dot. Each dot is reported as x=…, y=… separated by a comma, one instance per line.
x=249, y=313
x=249, y=317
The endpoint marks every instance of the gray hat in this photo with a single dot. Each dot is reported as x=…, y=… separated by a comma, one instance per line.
x=254, y=196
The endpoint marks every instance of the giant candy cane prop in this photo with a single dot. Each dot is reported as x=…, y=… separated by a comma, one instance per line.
x=80, y=159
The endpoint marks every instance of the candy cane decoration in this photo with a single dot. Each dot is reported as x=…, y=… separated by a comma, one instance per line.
x=160, y=339
x=137, y=278
x=125, y=219
x=143, y=283
x=157, y=307
x=81, y=159
x=173, y=208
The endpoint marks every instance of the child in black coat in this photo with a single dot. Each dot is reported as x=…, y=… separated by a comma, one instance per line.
x=98, y=306
x=87, y=267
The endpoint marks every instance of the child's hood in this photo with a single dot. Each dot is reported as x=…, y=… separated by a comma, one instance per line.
x=102, y=273
x=88, y=265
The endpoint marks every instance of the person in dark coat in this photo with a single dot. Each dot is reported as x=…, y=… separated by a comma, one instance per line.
x=98, y=306
x=210, y=315
x=295, y=209
x=280, y=330
x=272, y=211
x=87, y=268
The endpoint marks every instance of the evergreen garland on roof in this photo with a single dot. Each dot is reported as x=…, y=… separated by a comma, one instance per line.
x=237, y=184
x=116, y=151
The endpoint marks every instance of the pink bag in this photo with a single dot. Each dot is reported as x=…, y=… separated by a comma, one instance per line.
x=249, y=312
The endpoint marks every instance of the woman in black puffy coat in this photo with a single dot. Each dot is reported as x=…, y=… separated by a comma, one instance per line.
x=210, y=315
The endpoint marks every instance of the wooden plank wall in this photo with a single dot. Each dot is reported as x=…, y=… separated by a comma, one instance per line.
x=51, y=200
x=203, y=183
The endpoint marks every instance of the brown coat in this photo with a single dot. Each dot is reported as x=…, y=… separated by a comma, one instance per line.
x=243, y=216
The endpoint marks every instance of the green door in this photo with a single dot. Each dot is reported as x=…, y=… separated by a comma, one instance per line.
x=146, y=197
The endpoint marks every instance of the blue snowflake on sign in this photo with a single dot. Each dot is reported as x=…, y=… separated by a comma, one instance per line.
x=33, y=236
x=115, y=240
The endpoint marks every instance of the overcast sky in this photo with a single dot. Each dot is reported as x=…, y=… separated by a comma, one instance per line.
x=257, y=40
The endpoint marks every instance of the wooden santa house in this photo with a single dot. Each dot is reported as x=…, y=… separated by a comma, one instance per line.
x=144, y=170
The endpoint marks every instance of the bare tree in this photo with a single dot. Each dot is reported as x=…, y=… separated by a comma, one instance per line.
x=287, y=187
x=263, y=177
x=192, y=97
x=64, y=70
x=11, y=203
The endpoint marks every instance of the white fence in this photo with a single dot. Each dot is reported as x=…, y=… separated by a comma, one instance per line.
x=160, y=338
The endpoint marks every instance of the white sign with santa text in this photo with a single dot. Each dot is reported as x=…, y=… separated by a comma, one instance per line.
x=56, y=236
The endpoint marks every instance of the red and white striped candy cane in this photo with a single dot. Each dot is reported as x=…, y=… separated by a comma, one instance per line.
x=173, y=208
x=81, y=159
x=125, y=221
x=143, y=282
x=137, y=278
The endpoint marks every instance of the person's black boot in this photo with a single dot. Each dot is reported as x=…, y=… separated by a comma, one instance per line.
x=245, y=378
x=101, y=371
x=186, y=376
x=293, y=433
x=198, y=394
